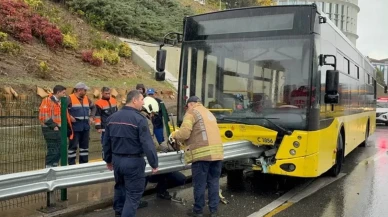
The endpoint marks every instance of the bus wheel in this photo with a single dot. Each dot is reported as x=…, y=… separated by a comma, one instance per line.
x=363, y=144
x=235, y=178
x=336, y=169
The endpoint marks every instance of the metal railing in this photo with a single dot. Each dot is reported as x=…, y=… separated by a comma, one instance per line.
x=22, y=145
x=48, y=180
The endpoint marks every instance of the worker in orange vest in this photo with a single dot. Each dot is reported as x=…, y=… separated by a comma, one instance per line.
x=105, y=106
x=82, y=111
x=50, y=119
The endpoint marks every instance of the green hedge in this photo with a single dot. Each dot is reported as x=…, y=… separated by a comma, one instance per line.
x=143, y=19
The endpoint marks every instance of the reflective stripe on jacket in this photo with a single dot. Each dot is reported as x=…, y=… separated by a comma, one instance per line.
x=200, y=134
x=50, y=114
x=80, y=111
x=105, y=108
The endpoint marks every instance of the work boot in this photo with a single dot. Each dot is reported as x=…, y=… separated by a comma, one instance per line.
x=191, y=213
x=117, y=214
x=165, y=195
x=142, y=204
x=213, y=214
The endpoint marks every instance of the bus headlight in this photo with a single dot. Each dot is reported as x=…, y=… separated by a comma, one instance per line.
x=292, y=152
x=296, y=144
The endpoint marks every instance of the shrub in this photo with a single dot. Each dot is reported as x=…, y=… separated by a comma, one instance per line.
x=98, y=55
x=3, y=36
x=99, y=43
x=66, y=28
x=112, y=57
x=43, y=29
x=17, y=19
x=92, y=58
x=125, y=50
x=87, y=55
x=43, y=69
x=13, y=19
x=10, y=48
x=53, y=37
x=70, y=41
x=80, y=13
x=34, y=3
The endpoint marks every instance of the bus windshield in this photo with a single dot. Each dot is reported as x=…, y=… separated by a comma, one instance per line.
x=250, y=80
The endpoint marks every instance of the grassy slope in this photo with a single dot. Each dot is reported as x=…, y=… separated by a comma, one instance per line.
x=66, y=66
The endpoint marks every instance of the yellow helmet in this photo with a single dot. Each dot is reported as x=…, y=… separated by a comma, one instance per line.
x=151, y=105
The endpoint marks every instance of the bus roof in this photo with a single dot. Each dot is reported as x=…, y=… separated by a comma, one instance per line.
x=245, y=8
x=313, y=5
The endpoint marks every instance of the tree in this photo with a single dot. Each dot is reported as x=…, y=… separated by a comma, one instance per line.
x=380, y=77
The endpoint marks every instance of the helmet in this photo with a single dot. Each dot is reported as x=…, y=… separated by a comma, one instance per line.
x=150, y=105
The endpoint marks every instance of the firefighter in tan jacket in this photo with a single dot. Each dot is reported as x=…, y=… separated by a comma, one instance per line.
x=201, y=137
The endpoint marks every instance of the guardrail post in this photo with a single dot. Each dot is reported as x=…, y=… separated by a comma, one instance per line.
x=50, y=199
x=63, y=142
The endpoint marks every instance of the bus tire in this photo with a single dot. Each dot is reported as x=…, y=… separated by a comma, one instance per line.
x=235, y=178
x=363, y=144
x=336, y=169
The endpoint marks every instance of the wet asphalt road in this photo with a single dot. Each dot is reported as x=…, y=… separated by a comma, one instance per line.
x=361, y=192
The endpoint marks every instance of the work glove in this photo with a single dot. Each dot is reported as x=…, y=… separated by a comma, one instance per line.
x=165, y=147
x=171, y=140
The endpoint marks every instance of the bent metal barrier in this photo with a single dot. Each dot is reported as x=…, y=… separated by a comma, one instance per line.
x=50, y=179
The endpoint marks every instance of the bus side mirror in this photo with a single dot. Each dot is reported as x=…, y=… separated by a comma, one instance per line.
x=161, y=55
x=385, y=89
x=332, y=86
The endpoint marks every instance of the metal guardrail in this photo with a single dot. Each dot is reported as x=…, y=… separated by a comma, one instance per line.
x=50, y=179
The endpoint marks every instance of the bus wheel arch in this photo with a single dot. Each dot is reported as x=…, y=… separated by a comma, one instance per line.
x=340, y=153
x=367, y=130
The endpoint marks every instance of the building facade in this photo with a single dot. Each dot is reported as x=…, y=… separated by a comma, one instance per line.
x=382, y=65
x=342, y=12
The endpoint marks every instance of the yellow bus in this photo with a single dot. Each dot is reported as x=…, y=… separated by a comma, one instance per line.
x=283, y=77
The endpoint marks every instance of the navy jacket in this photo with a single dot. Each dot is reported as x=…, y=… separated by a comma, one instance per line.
x=127, y=133
x=157, y=120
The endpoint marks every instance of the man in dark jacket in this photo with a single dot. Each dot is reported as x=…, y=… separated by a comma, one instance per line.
x=82, y=111
x=141, y=88
x=127, y=138
x=157, y=119
x=105, y=107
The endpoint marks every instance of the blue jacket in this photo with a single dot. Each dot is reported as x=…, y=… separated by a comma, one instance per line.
x=157, y=120
x=81, y=109
x=126, y=133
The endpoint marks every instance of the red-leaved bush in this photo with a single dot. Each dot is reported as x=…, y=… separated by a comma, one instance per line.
x=18, y=20
x=87, y=56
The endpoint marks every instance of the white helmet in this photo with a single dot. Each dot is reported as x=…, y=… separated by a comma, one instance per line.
x=151, y=105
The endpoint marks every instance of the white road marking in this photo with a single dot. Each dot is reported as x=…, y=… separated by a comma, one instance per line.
x=374, y=157
x=315, y=186
x=297, y=194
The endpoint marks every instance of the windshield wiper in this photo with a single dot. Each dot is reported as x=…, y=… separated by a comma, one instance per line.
x=232, y=121
x=284, y=130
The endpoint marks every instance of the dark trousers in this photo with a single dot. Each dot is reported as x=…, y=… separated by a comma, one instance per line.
x=206, y=173
x=102, y=137
x=81, y=139
x=130, y=178
x=53, y=142
x=159, y=134
x=168, y=180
